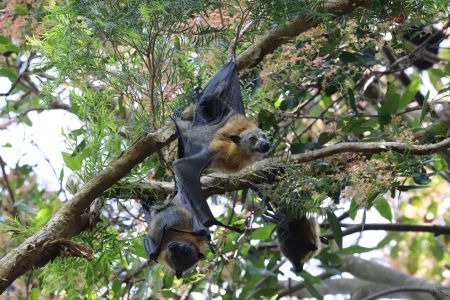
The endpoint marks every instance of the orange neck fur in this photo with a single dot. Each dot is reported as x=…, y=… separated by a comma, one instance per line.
x=229, y=156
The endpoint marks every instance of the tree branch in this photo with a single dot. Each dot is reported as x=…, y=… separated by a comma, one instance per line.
x=67, y=221
x=267, y=170
x=271, y=41
x=381, y=274
x=366, y=283
x=5, y=178
x=437, y=293
x=436, y=229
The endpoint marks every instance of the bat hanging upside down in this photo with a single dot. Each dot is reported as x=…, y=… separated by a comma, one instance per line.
x=298, y=238
x=175, y=237
x=219, y=136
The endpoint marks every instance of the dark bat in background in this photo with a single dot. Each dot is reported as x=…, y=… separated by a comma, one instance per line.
x=298, y=238
x=428, y=56
x=219, y=136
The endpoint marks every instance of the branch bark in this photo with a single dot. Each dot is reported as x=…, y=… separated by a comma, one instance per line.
x=35, y=251
x=267, y=170
x=271, y=41
x=436, y=229
x=367, y=283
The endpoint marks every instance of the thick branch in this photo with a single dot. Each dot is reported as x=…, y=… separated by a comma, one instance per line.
x=267, y=170
x=67, y=221
x=366, y=283
x=437, y=294
x=271, y=41
x=381, y=274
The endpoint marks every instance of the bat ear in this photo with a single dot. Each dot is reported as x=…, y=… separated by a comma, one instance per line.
x=200, y=256
x=235, y=139
x=178, y=274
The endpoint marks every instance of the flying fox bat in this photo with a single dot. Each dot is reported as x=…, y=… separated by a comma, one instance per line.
x=219, y=136
x=175, y=236
x=298, y=238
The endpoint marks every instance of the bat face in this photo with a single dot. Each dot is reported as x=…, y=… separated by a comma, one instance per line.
x=182, y=255
x=254, y=140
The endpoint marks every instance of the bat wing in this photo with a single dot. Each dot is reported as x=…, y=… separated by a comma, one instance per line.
x=188, y=171
x=186, y=147
x=220, y=97
x=198, y=229
x=151, y=247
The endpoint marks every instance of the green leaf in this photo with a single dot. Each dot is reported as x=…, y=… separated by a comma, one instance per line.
x=138, y=249
x=10, y=73
x=325, y=137
x=424, y=107
x=7, y=46
x=264, y=232
x=410, y=92
x=351, y=99
x=34, y=294
x=116, y=286
x=335, y=228
x=315, y=293
x=20, y=9
x=72, y=162
x=289, y=103
x=348, y=57
x=404, y=188
x=43, y=215
x=353, y=210
x=267, y=120
x=390, y=105
x=384, y=208
x=436, y=249
x=330, y=259
x=297, y=148
x=25, y=120
x=354, y=250
x=392, y=100
x=177, y=43
x=435, y=77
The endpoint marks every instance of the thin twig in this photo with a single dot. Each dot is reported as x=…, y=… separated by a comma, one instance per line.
x=356, y=228
x=435, y=292
x=5, y=178
x=16, y=82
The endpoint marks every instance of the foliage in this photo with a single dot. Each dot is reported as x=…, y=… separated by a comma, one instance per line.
x=123, y=67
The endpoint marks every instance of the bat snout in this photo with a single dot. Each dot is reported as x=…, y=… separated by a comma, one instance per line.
x=262, y=146
x=297, y=268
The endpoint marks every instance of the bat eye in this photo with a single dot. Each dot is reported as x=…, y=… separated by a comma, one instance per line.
x=253, y=138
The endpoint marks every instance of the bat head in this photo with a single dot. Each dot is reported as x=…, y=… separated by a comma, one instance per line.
x=253, y=141
x=297, y=267
x=182, y=255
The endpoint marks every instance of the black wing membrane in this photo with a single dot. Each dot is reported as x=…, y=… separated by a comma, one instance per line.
x=188, y=171
x=220, y=97
x=151, y=247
